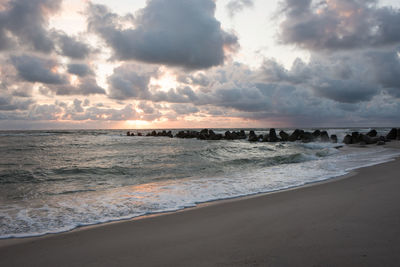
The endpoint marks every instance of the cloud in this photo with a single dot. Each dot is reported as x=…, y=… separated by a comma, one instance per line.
x=235, y=6
x=181, y=33
x=99, y=114
x=345, y=91
x=339, y=24
x=385, y=68
x=195, y=79
x=11, y=103
x=26, y=21
x=131, y=81
x=82, y=86
x=37, y=69
x=184, y=109
x=71, y=47
x=79, y=69
x=89, y=86
x=33, y=69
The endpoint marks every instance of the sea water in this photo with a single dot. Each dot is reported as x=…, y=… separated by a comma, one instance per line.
x=55, y=181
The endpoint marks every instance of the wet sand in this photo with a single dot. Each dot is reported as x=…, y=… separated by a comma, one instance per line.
x=348, y=221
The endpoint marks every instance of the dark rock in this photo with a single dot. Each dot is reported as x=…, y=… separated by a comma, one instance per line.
x=316, y=133
x=202, y=136
x=193, y=134
x=216, y=137
x=392, y=135
x=132, y=134
x=253, y=137
x=128, y=133
x=370, y=140
x=228, y=135
x=306, y=137
x=242, y=134
x=153, y=133
x=188, y=134
x=265, y=138
x=169, y=134
x=284, y=136
x=398, y=134
x=372, y=133
x=272, y=136
x=324, y=136
x=139, y=134
x=355, y=137
x=204, y=131
x=347, y=139
x=380, y=143
x=295, y=135
x=234, y=135
x=180, y=134
x=334, y=138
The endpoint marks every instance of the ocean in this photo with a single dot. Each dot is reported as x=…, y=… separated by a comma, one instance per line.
x=56, y=181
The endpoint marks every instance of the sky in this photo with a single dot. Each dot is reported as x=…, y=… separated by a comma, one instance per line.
x=126, y=64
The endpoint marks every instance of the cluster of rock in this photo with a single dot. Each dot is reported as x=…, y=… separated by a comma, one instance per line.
x=272, y=136
x=207, y=134
x=153, y=133
x=371, y=137
x=298, y=135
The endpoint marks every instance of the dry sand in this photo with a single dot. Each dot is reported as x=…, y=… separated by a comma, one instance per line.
x=353, y=221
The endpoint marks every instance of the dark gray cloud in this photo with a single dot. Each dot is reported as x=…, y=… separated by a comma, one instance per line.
x=385, y=68
x=33, y=69
x=150, y=111
x=345, y=91
x=180, y=33
x=343, y=77
x=79, y=69
x=275, y=72
x=71, y=47
x=44, y=112
x=12, y=103
x=89, y=86
x=339, y=24
x=37, y=69
x=26, y=22
x=84, y=86
x=235, y=6
x=131, y=81
x=193, y=79
x=184, y=109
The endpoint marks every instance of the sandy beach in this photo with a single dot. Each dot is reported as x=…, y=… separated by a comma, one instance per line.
x=348, y=221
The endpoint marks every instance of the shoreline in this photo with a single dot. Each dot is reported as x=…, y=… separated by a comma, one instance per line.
x=20, y=239
x=112, y=238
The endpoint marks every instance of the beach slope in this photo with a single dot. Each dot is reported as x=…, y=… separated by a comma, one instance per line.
x=350, y=221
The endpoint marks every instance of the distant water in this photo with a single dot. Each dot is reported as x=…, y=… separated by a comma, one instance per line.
x=55, y=181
